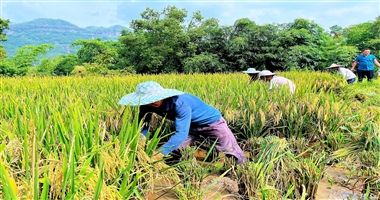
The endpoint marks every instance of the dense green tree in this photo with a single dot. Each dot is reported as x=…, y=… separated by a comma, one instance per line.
x=162, y=48
x=47, y=66
x=170, y=41
x=4, y=24
x=7, y=68
x=89, y=49
x=197, y=30
x=103, y=53
x=28, y=56
x=241, y=45
x=335, y=50
x=336, y=31
x=358, y=35
x=364, y=35
x=66, y=65
x=263, y=43
x=374, y=41
x=3, y=53
x=161, y=41
x=132, y=45
x=203, y=63
x=297, y=46
x=214, y=44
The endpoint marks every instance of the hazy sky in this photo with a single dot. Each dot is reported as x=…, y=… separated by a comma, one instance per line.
x=107, y=13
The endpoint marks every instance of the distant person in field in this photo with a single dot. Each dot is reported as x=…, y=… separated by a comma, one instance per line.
x=365, y=62
x=347, y=74
x=253, y=74
x=276, y=81
x=192, y=118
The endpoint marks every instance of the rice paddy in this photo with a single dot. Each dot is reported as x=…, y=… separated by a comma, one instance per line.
x=67, y=138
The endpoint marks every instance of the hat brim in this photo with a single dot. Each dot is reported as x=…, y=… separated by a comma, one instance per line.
x=135, y=99
x=272, y=74
x=334, y=66
x=248, y=72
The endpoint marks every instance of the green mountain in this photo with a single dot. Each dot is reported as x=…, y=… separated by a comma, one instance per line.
x=57, y=32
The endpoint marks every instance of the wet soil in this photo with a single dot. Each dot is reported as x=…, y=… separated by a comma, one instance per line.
x=335, y=185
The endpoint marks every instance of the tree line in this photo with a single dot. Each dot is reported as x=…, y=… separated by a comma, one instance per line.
x=170, y=41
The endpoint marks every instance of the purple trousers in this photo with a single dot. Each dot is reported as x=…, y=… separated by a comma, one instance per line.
x=217, y=131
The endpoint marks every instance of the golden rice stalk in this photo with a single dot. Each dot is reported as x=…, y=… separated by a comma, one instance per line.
x=112, y=161
x=159, y=176
x=287, y=108
x=262, y=116
x=251, y=120
x=86, y=179
x=13, y=150
x=55, y=177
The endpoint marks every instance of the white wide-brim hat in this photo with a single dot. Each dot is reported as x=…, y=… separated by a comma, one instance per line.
x=148, y=92
x=334, y=66
x=251, y=71
x=266, y=73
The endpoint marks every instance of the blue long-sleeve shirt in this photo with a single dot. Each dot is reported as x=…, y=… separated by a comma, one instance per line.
x=186, y=111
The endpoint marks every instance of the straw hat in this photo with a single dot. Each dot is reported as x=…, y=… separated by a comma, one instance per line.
x=148, y=92
x=251, y=71
x=334, y=65
x=266, y=73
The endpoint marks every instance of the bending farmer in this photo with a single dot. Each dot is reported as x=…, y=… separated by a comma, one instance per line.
x=192, y=118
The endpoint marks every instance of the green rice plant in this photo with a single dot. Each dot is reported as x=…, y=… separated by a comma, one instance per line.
x=310, y=171
x=35, y=171
x=53, y=123
x=68, y=132
x=68, y=173
x=365, y=92
x=292, y=172
x=8, y=184
x=269, y=112
x=302, y=147
x=366, y=150
x=45, y=185
x=194, y=173
x=100, y=182
x=336, y=140
x=255, y=176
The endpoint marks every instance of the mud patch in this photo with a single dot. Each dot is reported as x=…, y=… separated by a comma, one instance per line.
x=336, y=185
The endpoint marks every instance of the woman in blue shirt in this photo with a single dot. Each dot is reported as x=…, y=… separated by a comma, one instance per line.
x=366, y=63
x=192, y=118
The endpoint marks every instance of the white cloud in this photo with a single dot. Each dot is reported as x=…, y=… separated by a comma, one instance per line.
x=115, y=12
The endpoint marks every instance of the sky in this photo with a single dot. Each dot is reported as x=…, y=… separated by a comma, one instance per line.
x=107, y=13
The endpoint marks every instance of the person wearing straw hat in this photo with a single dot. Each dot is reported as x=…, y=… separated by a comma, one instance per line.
x=276, y=81
x=347, y=74
x=252, y=73
x=192, y=118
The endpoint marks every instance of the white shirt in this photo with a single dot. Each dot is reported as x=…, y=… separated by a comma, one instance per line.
x=348, y=74
x=278, y=81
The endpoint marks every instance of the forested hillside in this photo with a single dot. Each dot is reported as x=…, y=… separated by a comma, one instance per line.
x=57, y=32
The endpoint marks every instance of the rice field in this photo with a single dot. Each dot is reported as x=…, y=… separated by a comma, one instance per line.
x=67, y=138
